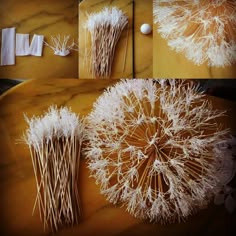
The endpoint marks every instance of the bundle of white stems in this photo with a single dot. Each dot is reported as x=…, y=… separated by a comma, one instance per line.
x=154, y=148
x=55, y=140
x=205, y=31
x=105, y=28
x=61, y=46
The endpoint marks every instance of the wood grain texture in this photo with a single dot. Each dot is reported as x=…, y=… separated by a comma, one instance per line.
x=99, y=217
x=46, y=18
x=143, y=43
x=122, y=53
x=167, y=63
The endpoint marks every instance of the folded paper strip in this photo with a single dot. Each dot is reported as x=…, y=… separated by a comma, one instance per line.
x=36, y=46
x=22, y=44
x=8, y=46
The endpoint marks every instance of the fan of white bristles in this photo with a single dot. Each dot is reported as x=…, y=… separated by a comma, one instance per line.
x=205, y=31
x=154, y=148
x=54, y=140
x=105, y=28
x=61, y=45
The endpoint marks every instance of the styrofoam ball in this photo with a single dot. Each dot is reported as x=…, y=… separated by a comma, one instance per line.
x=145, y=28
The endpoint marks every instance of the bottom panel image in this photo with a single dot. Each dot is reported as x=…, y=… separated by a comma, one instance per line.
x=118, y=157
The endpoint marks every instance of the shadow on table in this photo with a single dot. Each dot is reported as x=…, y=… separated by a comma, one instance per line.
x=6, y=84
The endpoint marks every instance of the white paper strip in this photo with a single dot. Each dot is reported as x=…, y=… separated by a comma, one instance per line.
x=22, y=44
x=36, y=46
x=8, y=46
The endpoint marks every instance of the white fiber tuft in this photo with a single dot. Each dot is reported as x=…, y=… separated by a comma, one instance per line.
x=54, y=140
x=105, y=28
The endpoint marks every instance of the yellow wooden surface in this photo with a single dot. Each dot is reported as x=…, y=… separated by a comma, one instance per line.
x=142, y=61
x=47, y=18
x=168, y=63
x=143, y=43
x=99, y=217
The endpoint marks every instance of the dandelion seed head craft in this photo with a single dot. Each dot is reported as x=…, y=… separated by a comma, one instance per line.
x=61, y=46
x=55, y=140
x=205, y=31
x=105, y=28
x=152, y=147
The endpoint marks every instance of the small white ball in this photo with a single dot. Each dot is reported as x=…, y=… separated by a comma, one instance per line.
x=145, y=28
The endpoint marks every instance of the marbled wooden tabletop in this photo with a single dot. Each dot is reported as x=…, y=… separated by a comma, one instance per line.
x=143, y=44
x=99, y=217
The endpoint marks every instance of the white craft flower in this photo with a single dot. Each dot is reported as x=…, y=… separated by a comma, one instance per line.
x=151, y=146
x=203, y=30
x=61, y=45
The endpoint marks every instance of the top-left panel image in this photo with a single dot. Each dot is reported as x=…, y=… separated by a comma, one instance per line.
x=83, y=39
x=39, y=39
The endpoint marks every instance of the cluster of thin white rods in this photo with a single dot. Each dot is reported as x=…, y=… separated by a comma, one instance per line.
x=54, y=141
x=205, y=31
x=61, y=46
x=153, y=148
x=105, y=28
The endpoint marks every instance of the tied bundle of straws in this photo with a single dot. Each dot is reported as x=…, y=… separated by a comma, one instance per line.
x=55, y=141
x=154, y=148
x=105, y=28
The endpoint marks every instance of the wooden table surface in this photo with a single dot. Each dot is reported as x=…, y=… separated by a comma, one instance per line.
x=143, y=44
x=99, y=217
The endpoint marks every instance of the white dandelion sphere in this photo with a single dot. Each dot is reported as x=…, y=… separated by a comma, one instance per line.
x=205, y=31
x=152, y=147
